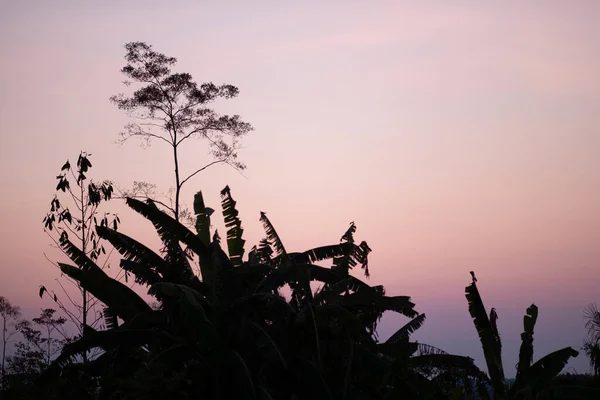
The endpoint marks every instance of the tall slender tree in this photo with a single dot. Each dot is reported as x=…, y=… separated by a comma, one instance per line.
x=171, y=107
x=75, y=218
x=10, y=315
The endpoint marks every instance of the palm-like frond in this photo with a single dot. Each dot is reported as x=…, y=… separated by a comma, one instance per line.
x=591, y=348
x=357, y=255
x=235, y=243
x=124, y=302
x=272, y=235
x=353, y=254
x=131, y=249
x=79, y=257
x=592, y=317
x=321, y=253
x=105, y=340
x=336, y=285
x=261, y=254
x=170, y=230
x=144, y=274
x=427, y=349
x=380, y=303
x=167, y=227
x=179, y=268
x=407, y=329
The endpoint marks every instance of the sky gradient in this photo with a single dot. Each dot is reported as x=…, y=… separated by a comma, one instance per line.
x=458, y=137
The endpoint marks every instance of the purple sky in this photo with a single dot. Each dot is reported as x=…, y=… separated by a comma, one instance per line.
x=458, y=137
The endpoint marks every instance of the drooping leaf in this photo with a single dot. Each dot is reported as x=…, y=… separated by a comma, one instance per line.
x=144, y=273
x=380, y=303
x=261, y=254
x=166, y=226
x=131, y=249
x=169, y=230
x=542, y=372
x=103, y=339
x=185, y=295
x=123, y=301
x=407, y=329
x=79, y=257
x=353, y=254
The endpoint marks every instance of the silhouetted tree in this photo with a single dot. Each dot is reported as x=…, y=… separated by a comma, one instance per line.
x=43, y=338
x=75, y=218
x=11, y=324
x=172, y=108
x=591, y=346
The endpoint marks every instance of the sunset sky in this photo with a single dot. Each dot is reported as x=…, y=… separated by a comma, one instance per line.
x=457, y=135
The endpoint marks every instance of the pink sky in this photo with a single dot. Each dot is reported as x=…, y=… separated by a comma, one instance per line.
x=458, y=137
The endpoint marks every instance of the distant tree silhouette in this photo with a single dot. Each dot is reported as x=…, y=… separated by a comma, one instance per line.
x=11, y=324
x=172, y=108
x=75, y=218
x=591, y=346
x=43, y=338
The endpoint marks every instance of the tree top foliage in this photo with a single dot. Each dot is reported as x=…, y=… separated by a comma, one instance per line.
x=171, y=107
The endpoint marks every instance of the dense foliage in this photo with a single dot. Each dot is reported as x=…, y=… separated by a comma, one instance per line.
x=234, y=334
x=271, y=324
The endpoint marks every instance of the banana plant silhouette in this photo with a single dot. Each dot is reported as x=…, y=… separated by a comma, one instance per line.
x=230, y=333
x=531, y=379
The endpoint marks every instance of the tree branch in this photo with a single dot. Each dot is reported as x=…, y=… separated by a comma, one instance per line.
x=200, y=170
x=124, y=136
x=206, y=128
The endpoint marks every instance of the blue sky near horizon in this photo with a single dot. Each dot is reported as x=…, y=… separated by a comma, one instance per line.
x=458, y=136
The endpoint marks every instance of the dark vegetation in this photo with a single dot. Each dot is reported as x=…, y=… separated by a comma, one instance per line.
x=228, y=322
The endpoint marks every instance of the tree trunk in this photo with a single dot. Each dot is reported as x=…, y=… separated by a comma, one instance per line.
x=3, y=351
x=84, y=291
x=177, y=184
